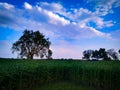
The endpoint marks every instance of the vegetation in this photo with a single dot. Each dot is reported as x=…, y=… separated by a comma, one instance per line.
x=29, y=74
x=63, y=86
x=32, y=43
x=110, y=54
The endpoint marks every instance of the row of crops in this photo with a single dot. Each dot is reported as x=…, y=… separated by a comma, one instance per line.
x=26, y=74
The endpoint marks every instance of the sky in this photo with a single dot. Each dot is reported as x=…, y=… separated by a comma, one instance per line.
x=72, y=26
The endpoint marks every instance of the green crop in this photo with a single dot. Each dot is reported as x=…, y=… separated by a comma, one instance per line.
x=25, y=74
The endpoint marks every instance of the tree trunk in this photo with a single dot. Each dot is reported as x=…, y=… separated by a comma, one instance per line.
x=30, y=56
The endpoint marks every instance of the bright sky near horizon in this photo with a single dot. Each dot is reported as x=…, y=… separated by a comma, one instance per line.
x=71, y=25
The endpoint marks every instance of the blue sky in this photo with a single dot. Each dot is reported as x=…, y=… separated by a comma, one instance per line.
x=71, y=25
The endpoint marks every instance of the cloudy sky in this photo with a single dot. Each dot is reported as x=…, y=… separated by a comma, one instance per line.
x=71, y=25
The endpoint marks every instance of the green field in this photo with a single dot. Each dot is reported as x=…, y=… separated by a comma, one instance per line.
x=63, y=86
x=65, y=74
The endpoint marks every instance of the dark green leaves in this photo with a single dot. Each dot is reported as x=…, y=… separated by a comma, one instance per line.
x=32, y=43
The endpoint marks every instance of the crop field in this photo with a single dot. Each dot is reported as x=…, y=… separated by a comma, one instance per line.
x=59, y=75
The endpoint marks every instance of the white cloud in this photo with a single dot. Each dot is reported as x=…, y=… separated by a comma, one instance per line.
x=109, y=23
x=39, y=8
x=55, y=19
x=57, y=7
x=104, y=7
x=27, y=6
x=75, y=15
x=84, y=16
x=50, y=9
x=57, y=23
x=7, y=6
x=100, y=22
x=89, y=32
x=100, y=33
x=78, y=14
x=117, y=4
x=49, y=21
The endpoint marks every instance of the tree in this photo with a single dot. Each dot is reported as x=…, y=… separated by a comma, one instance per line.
x=119, y=51
x=32, y=44
x=95, y=54
x=103, y=54
x=49, y=54
x=87, y=54
x=113, y=54
x=100, y=54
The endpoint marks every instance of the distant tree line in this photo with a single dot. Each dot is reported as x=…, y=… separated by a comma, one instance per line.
x=33, y=43
x=101, y=54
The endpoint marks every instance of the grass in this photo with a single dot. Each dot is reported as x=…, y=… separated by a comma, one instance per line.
x=25, y=74
x=63, y=86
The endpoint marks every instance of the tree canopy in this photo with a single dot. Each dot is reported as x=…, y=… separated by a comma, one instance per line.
x=32, y=43
x=87, y=54
x=119, y=51
x=100, y=54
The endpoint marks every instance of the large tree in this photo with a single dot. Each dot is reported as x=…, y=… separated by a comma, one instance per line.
x=32, y=44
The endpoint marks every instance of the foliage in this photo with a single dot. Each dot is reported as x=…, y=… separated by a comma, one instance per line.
x=101, y=54
x=32, y=43
x=119, y=51
x=113, y=54
x=24, y=75
x=63, y=86
x=87, y=54
x=95, y=54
